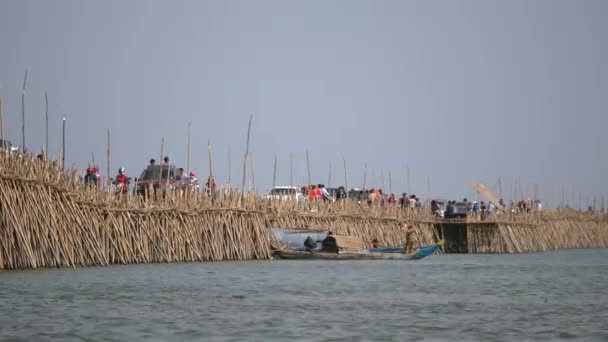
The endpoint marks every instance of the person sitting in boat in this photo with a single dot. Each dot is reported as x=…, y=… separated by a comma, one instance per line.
x=329, y=244
x=375, y=243
x=310, y=244
x=409, y=239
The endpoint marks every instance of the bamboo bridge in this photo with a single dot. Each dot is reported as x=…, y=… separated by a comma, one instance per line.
x=48, y=218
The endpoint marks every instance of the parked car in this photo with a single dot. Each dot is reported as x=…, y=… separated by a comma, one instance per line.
x=170, y=179
x=7, y=146
x=460, y=210
x=285, y=193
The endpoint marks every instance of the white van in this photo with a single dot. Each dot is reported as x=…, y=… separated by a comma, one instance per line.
x=285, y=193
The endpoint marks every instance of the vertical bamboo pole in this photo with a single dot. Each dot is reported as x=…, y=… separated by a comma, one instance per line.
x=109, y=182
x=252, y=174
x=229, y=169
x=345, y=177
x=308, y=168
x=245, y=160
x=63, y=145
x=428, y=186
x=329, y=177
x=364, y=176
x=1, y=122
x=274, y=174
x=500, y=188
x=23, y=114
x=210, y=159
x=162, y=151
x=409, y=185
x=390, y=183
x=382, y=180
x=290, y=169
x=46, y=125
x=188, y=155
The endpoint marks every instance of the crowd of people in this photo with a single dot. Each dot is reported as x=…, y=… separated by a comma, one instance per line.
x=176, y=177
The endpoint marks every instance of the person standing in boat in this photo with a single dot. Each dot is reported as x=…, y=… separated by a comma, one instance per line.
x=409, y=239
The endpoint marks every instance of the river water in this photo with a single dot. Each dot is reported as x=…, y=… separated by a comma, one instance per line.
x=547, y=296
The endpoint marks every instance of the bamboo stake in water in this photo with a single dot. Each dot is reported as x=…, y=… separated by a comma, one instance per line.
x=23, y=113
x=245, y=160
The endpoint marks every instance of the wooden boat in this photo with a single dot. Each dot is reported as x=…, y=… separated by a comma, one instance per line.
x=419, y=253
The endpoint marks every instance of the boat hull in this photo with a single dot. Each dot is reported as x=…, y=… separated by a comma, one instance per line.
x=419, y=253
x=308, y=255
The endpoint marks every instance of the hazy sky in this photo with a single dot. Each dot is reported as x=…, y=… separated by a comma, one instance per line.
x=458, y=90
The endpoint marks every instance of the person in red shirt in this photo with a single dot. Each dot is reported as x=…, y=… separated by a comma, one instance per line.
x=121, y=180
x=392, y=200
x=312, y=193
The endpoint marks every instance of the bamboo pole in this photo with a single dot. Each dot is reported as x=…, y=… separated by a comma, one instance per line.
x=188, y=155
x=409, y=186
x=329, y=177
x=290, y=169
x=210, y=159
x=364, y=176
x=390, y=183
x=229, y=183
x=23, y=149
x=308, y=168
x=252, y=174
x=345, y=177
x=63, y=145
x=109, y=182
x=46, y=125
x=245, y=160
x=161, y=161
x=1, y=123
x=274, y=174
x=500, y=188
